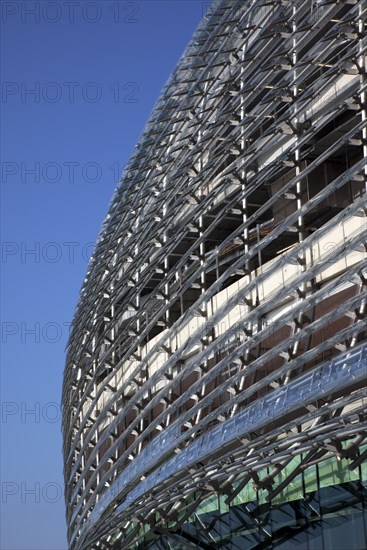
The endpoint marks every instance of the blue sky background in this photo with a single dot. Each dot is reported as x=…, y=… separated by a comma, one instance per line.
x=96, y=69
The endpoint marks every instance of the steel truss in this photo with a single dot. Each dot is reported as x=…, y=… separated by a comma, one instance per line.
x=221, y=326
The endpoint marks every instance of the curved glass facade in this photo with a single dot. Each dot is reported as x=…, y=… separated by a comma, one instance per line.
x=215, y=384
x=323, y=508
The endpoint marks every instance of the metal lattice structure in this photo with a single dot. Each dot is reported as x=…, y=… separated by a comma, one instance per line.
x=221, y=327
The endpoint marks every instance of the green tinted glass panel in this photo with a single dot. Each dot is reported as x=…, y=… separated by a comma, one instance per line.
x=294, y=490
x=334, y=472
x=247, y=494
x=364, y=465
x=210, y=504
x=310, y=479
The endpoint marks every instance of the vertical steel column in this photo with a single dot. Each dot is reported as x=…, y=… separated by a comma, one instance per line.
x=167, y=295
x=297, y=161
x=204, y=311
x=362, y=62
x=137, y=309
x=244, y=206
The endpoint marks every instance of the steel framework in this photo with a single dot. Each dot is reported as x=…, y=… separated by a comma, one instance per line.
x=221, y=327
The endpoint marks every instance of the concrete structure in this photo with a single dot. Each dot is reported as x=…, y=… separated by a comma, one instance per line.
x=215, y=386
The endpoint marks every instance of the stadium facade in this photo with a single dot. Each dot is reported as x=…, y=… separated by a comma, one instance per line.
x=215, y=386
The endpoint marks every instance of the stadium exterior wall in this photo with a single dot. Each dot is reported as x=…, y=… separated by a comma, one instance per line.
x=215, y=384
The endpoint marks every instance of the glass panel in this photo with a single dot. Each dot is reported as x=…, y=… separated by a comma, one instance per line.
x=247, y=494
x=310, y=479
x=223, y=507
x=334, y=472
x=344, y=530
x=330, y=518
x=314, y=536
x=261, y=495
x=294, y=490
x=364, y=466
x=337, y=497
x=208, y=505
x=299, y=541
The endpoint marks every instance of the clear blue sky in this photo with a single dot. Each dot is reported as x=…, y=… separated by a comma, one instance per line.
x=96, y=69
